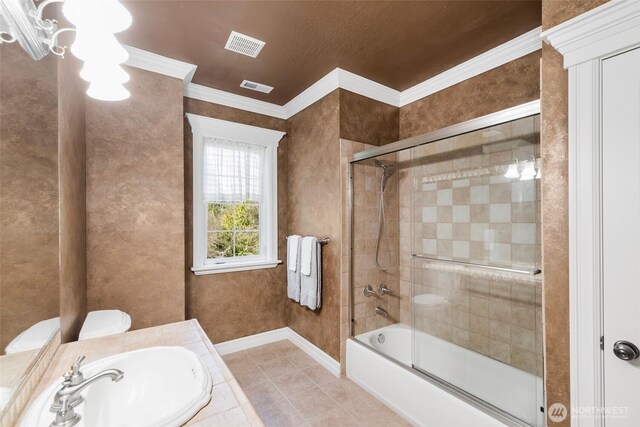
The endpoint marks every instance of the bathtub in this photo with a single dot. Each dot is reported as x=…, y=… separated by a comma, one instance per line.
x=422, y=401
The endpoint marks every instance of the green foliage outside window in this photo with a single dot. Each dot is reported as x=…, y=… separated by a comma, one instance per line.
x=233, y=229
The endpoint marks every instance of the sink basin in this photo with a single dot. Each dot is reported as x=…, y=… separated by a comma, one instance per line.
x=162, y=386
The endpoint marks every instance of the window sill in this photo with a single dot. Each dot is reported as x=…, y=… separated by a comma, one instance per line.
x=233, y=267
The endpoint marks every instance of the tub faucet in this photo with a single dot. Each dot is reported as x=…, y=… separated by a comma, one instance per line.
x=69, y=395
x=381, y=311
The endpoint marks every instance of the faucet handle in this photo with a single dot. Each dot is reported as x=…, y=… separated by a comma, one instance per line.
x=75, y=375
x=75, y=368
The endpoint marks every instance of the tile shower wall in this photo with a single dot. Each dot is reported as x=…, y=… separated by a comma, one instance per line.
x=456, y=204
x=366, y=196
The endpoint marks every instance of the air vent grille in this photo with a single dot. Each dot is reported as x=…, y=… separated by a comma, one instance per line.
x=244, y=45
x=256, y=86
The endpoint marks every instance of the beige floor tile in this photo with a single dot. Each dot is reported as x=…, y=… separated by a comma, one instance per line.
x=280, y=414
x=263, y=395
x=231, y=418
x=312, y=402
x=284, y=347
x=248, y=374
x=318, y=374
x=277, y=367
x=293, y=383
x=301, y=360
x=336, y=417
x=346, y=392
x=263, y=352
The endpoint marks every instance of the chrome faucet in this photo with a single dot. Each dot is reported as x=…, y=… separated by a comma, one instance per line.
x=381, y=311
x=69, y=395
x=368, y=291
x=384, y=290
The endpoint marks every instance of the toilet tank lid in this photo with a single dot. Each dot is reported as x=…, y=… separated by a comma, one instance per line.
x=104, y=322
x=35, y=336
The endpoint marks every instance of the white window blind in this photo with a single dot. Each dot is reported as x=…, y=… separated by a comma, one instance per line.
x=233, y=170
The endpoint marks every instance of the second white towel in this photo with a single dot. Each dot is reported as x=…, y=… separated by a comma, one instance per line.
x=311, y=269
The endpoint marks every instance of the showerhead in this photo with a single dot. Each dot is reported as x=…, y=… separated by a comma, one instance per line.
x=387, y=171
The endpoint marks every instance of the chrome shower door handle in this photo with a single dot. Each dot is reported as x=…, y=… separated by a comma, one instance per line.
x=624, y=350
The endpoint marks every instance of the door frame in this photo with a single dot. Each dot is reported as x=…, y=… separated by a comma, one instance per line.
x=585, y=41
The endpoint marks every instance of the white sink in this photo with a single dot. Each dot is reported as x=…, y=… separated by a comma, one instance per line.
x=162, y=386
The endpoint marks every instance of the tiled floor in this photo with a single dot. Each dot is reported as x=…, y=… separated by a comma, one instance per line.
x=288, y=388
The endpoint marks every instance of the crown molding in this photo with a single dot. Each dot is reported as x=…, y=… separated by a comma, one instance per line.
x=513, y=49
x=339, y=78
x=613, y=26
x=155, y=63
x=313, y=93
x=216, y=96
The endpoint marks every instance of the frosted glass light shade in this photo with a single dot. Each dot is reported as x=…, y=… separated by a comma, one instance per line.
x=512, y=171
x=96, y=47
x=529, y=171
x=98, y=72
x=108, y=91
x=102, y=15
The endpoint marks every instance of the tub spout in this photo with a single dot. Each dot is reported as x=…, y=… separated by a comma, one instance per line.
x=381, y=311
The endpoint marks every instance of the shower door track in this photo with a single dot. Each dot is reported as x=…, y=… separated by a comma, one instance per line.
x=483, y=266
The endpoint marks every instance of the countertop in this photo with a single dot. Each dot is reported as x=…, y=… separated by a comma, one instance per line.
x=228, y=406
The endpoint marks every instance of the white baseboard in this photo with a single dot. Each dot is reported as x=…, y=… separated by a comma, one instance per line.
x=251, y=341
x=286, y=333
x=328, y=362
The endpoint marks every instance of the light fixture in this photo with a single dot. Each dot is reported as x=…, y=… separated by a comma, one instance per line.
x=95, y=47
x=96, y=22
x=108, y=91
x=529, y=171
x=512, y=171
x=103, y=73
x=108, y=16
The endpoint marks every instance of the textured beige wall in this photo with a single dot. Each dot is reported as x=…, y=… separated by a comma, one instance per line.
x=234, y=305
x=555, y=204
x=135, y=201
x=511, y=84
x=72, y=182
x=313, y=185
x=28, y=191
x=364, y=119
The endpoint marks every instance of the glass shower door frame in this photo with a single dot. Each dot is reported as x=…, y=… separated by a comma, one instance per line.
x=518, y=112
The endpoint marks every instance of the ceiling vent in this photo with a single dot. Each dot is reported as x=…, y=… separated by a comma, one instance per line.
x=256, y=86
x=245, y=45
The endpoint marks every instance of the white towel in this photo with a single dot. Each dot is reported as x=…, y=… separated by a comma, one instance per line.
x=311, y=284
x=293, y=247
x=308, y=244
x=293, y=276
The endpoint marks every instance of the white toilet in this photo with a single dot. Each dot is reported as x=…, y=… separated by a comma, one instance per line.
x=102, y=323
x=34, y=337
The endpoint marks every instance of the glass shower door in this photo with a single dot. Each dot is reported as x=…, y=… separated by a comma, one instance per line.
x=476, y=300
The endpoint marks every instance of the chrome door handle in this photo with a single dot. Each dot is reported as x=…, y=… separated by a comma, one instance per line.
x=625, y=350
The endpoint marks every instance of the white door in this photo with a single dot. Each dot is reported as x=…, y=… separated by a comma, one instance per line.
x=621, y=237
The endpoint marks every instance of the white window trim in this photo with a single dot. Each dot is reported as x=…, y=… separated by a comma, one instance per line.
x=202, y=127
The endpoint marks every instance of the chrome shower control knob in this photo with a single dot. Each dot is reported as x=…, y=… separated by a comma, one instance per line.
x=625, y=350
x=368, y=291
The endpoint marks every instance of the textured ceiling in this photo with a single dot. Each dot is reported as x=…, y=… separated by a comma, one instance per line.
x=396, y=43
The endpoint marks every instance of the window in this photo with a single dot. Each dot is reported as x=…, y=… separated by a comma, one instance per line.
x=235, y=218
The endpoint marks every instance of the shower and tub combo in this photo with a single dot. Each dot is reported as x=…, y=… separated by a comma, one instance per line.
x=446, y=312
